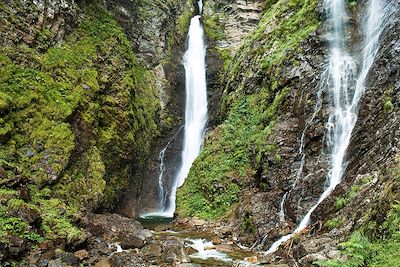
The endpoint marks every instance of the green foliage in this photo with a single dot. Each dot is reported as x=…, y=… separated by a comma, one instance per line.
x=238, y=148
x=73, y=118
x=248, y=226
x=214, y=28
x=341, y=202
x=356, y=249
x=352, y=3
x=334, y=223
x=388, y=105
x=225, y=164
x=15, y=204
x=10, y=225
x=276, y=40
x=57, y=216
x=88, y=94
x=382, y=250
x=183, y=21
x=6, y=195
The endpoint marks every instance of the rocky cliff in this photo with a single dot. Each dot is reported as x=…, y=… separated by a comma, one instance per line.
x=273, y=101
x=86, y=87
x=92, y=91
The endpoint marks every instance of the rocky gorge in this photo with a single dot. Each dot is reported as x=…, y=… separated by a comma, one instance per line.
x=92, y=91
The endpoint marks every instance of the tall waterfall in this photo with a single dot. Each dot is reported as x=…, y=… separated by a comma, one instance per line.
x=346, y=90
x=195, y=105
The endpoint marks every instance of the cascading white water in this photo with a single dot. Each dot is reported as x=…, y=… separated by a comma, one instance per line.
x=345, y=95
x=195, y=105
x=299, y=171
x=161, y=156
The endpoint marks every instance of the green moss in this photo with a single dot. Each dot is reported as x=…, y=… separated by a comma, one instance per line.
x=248, y=225
x=334, y=223
x=276, y=40
x=341, y=202
x=388, y=105
x=225, y=164
x=214, y=28
x=236, y=150
x=57, y=216
x=376, y=241
x=73, y=119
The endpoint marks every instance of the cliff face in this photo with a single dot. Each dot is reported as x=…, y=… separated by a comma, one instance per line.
x=85, y=89
x=272, y=96
x=92, y=91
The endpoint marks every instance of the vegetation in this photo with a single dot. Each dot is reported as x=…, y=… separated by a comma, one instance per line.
x=73, y=118
x=237, y=149
x=341, y=202
x=214, y=182
x=334, y=223
x=376, y=242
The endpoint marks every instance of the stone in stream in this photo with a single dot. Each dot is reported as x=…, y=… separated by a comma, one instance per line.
x=151, y=252
x=126, y=259
x=131, y=241
x=173, y=251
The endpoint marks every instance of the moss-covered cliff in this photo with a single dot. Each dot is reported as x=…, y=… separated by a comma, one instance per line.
x=80, y=108
x=274, y=100
x=75, y=119
x=256, y=85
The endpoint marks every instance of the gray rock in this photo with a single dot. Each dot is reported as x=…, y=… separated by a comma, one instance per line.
x=130, y=241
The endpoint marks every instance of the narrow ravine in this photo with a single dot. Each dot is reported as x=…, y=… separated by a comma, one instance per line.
x=345, y=89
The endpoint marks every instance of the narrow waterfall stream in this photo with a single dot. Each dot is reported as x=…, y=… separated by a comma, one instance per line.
x=195, y=115
x=195, y=105
x=346, y=90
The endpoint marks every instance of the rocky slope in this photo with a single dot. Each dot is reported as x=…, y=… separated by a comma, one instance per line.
x=91, y=91
x=250, y=160
x=85, y=90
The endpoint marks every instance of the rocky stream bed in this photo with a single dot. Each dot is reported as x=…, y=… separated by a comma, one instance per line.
x=111, y=240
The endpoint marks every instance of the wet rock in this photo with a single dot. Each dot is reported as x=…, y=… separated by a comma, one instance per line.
x=151, y=252
x=161, y=228
x=216, y=240
x=146, y=233
x=103, y=263
x=111, y=227
x=58, y=16
x=252, y=259
x=197, y=222
x=55, y=263
x=70, y=258
x=126, y=259
x=29, y=153
x=173, y=251
x=12, y=247
x=129, y=242
x=82, y=254
x=3, y=173
x=24, y=194
x=100, y=247
x=29, y=215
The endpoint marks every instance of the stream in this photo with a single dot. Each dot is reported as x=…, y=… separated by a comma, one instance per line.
x=201, y=246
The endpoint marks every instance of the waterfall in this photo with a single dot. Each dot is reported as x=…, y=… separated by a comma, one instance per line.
x=195, y=105
x=161, y=156
x=345, y=92
x=299, y=171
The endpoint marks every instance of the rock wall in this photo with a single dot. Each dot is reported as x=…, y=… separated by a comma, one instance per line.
x=272, y=87
x=85, y=91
